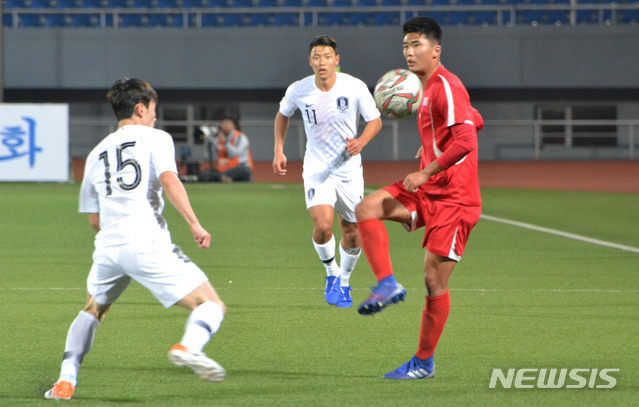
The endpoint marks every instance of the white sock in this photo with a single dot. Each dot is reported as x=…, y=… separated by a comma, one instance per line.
x=203, y=322
x=79, y=341
x=348, y=259
x=326, y=253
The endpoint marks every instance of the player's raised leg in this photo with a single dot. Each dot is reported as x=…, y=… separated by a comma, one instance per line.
x=207, y=313
x=370, y=212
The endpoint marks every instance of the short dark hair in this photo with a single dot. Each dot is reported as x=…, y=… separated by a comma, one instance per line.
x=126, y=93
x=424, y=25
x=323, y=41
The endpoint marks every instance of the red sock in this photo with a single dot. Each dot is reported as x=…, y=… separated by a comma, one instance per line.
x=375, y=245
x=434, y=318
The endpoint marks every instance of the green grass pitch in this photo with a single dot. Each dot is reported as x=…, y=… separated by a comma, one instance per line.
x=520, y=299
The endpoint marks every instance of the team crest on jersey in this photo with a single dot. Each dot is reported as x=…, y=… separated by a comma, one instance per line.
x=342, y=103
x=311, y=194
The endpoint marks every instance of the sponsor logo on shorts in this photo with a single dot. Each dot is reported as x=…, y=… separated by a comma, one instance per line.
x=311, y=194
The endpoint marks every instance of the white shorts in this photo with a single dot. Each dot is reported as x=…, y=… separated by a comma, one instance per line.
x=343, y=195
x=160, y=267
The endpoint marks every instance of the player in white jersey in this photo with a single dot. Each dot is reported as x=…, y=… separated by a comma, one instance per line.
x=331, y=104
x=121, y=192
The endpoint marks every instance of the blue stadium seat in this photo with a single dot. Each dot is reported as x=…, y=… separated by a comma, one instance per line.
x=116, y=4
x=386, y=18
x=459, y=18
x=217, y=4
x=628, y=16
x=260, y=19
x=30, y=20
x=557, y=17
x=308, y=17
x=142, y=3
x=241, y=3
x=210, y=20
x=55, y=20
x=167, y=4
x=484, y=17
x=330, y=19
x=192, y=3
x=11, y=4
x=131, y=20
x=285, y=19
x=91, y=4
x=233, y=20
x=40, y=4
x=7, y=20
x=85, y=20
x=158, y=20
x=64, y=4
x=267, y=3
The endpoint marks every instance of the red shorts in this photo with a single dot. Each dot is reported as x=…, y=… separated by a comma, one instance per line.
x=448, y=225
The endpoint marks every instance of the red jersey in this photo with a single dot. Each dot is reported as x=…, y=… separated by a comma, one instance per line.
x=445, y=104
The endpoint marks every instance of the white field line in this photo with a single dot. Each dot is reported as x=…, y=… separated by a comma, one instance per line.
x=555, y=232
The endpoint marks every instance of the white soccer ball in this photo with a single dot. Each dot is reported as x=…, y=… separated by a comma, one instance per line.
x=398, y=93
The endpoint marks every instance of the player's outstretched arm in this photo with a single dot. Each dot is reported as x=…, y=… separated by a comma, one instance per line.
x=280, y=129
x=180, y=200
x=355, y=146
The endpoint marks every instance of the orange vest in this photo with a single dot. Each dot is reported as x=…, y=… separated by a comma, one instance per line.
x=233, y=161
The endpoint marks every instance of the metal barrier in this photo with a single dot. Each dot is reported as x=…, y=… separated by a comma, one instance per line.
x=522, y=138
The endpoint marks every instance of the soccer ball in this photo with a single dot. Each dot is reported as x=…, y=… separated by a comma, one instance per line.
x=398, y=93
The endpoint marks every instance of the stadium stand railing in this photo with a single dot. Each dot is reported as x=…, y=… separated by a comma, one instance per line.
x=305, y=13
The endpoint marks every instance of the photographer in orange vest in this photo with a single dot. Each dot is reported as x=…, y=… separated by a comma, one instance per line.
x=233, y=161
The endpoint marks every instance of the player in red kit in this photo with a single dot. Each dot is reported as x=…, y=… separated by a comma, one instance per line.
x=443, y=196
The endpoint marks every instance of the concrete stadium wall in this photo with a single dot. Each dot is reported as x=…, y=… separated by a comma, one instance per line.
x=271, y=58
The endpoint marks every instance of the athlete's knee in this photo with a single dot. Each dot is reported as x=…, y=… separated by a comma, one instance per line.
x=364, y=209
x=95, y=309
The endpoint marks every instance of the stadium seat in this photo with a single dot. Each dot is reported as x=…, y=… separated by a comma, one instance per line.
x=116, y=4
x=459, y=18
x=233, y=20
x=308, y=17
x=557, y=17
x=65, y=4
x=210, y=20
x=55, y=20
x=131, y=20
x=11, y=4
x=267, y=3
x=142, y=3
x=484, y=17
x=167, y=4
x=217, y=4
x=84, y=20
x=91, y=4
x=158, y=20
x=241, y=3
x=260, y=19
x=628, y=16
x=7, y=20
x=30, y=20
x=386, y=18
x=192, y=3
x=285, y=19
x=40, y=4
